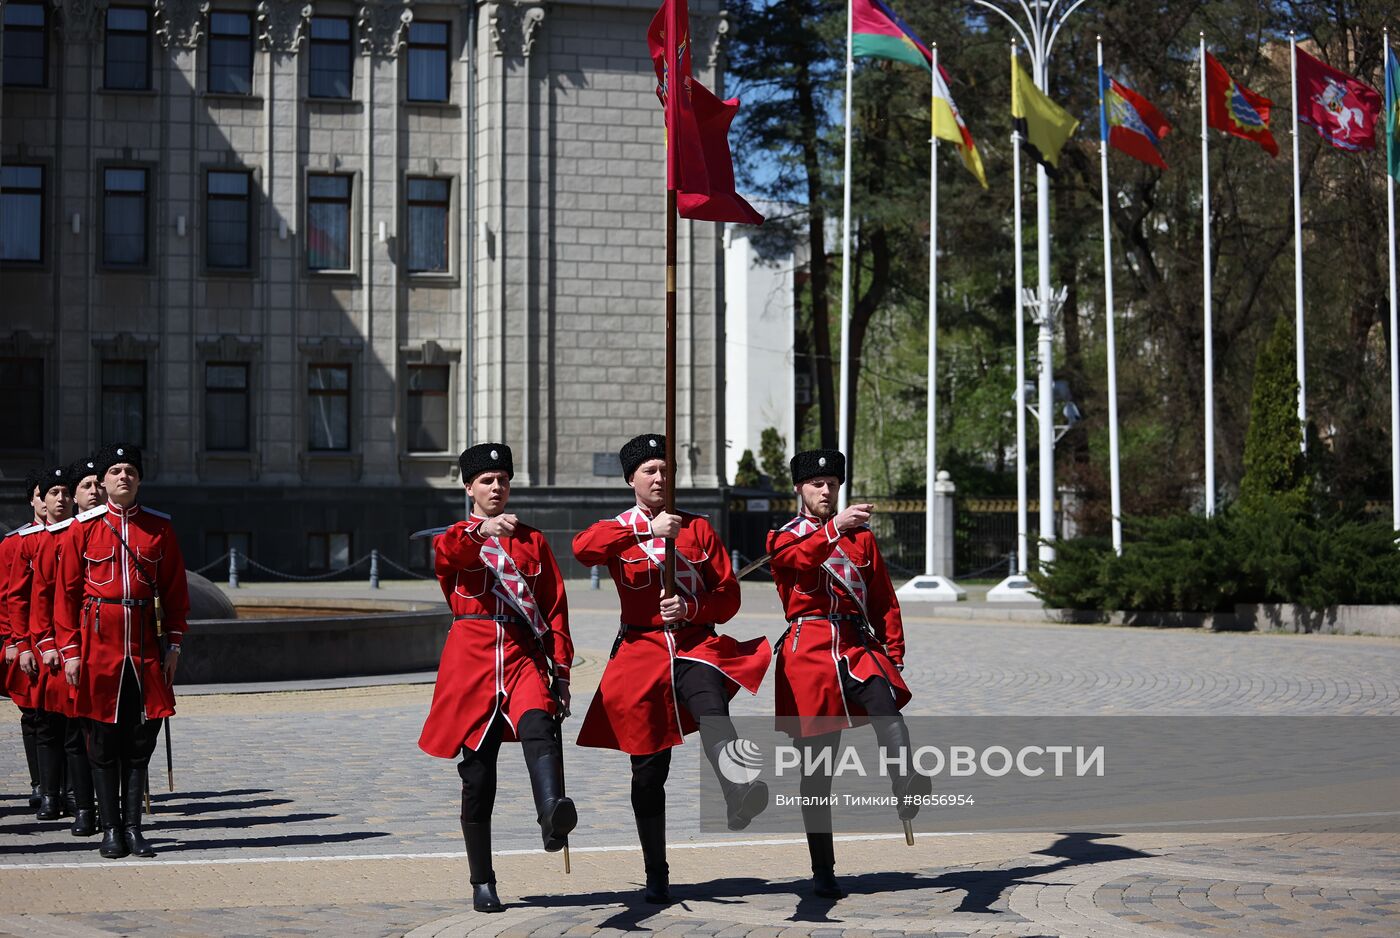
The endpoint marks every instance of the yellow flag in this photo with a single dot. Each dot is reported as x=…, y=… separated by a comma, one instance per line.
x=948, y=125
x=1044, y=126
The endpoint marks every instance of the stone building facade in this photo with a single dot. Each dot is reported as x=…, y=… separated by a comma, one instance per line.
x=305, y=251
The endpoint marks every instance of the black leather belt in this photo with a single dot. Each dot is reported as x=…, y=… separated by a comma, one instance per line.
x=119, y=602
x=486, y=618
x=837, y=618
x=672, y=627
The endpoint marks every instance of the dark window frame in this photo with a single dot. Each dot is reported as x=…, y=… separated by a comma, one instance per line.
x=11, y=394
x=147, y=35
x=347, y=44
x=445, y=47
x=43, y=193
x=445, y=204
x=348, y=201
x=346, y=392
x=103, y=387
x=247, y=393
x=42, y=30
x=325, y=538
x=411, y=392
x=147, y=206
x=218, y=38
x=251, y=223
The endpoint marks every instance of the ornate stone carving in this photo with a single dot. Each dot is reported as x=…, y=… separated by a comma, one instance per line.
x=496, y=23
x=331, y=349
x=429, y=353
x=180, y=22
x=23, y=344
x=384, y=26
x=82, y=20
x=710, y=35
x=531, y=19
x=229, y=348
x=283, y=24
x=127, y=346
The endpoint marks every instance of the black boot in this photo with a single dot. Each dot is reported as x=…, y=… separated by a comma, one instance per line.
x=554, y=810
x=50, y=783
x=651, y=832
x=80, y=774
x=823, y=852
x=478, y=839
x=909, y=786
x=133, y=792
x=743, y=801
x=29, y=731
x=107, y=788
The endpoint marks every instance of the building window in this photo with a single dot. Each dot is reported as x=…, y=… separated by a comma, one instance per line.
x=428, y=219
x=219, y=543
x=127, y=62
x=230, y=53
x=22, y=390
x=328, y=550
x=228, y=220
x=124, y=217
x=124, y=401
x=26, y=45
x=22, y=214
x=427, y=408
x=331, y=72
x=328, y=222
x=428, y=66
x=328, y=386
x=226, y=411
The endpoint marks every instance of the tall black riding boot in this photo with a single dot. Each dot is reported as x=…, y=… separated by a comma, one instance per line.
x=651, y=832
x=29, y=730
x=133, y=792
x=823, y=852
x=50, y=780
x=555, y=811
x=743, y=801
x=80, y=776
x=908, y=785
x=107, y=786
x=478, y=839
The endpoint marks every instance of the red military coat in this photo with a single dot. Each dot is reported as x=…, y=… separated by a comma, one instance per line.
x=22, y=688
x=31, y=592
x=809, y=698
x=635, y=708
x=491, y=667
x=94, y=564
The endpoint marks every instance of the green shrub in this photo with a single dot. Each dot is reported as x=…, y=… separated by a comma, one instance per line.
x=1266, y=553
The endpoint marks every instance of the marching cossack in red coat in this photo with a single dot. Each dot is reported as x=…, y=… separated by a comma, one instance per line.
x=21, y=688
x=635, y=708
x=831, y=584
x=32, y=579
x=492, y=661
x=113, y=561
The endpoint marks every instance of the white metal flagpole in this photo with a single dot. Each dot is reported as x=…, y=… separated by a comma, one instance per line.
x=1022, y=519
x=1115, y=490
x=1298, y=246
x=843, y=433
x=932, y=324
x=1394, y=348
x=1207, y=278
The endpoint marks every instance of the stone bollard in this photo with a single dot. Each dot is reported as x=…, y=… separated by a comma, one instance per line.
x=944, y=545
x=594, y=578
x=374, y=569
x=233, y=568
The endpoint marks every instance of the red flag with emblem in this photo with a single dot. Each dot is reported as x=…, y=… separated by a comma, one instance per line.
x=1233, y=108
x=699, y=165
x=1344, y=109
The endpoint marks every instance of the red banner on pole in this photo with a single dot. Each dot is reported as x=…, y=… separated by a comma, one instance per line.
x=1344, y=109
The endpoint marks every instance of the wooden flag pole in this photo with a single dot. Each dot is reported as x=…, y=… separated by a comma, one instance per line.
x=669, y=571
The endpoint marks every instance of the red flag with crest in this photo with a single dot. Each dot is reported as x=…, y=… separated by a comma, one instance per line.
x=1233, y=108
x=699, y=165
x=1344, y=109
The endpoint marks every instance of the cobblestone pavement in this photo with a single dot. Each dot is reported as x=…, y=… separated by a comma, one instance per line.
x=313, y=812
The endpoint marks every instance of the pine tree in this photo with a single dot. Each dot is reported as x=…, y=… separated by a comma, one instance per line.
x=746, y=476
x=772, y=452
x=1274, y=467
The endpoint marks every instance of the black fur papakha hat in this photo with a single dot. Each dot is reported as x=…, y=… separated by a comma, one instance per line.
x=818, y=462
x=485, y=457
x=641, y=449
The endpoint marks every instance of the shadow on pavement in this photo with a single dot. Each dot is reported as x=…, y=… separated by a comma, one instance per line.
x=294, y=840
x=983, y=889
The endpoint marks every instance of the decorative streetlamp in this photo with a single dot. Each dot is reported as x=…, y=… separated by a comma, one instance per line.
x=1041, y=26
